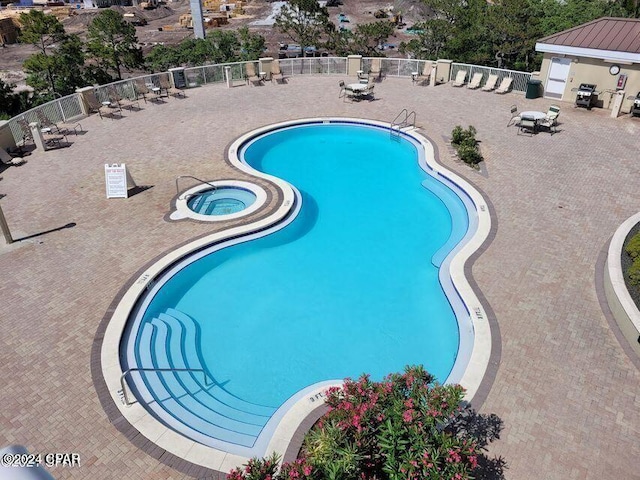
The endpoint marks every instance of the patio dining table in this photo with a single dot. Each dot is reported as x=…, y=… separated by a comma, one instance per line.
x=537, y=116
x=358, y=87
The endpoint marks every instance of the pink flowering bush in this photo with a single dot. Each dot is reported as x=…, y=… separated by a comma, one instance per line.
x=257, y=469
x=405, y=427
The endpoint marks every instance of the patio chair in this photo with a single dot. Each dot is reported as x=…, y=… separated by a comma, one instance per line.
x=505, y=85
x=491, y=83
x=461, y=76
x=60, y=127
x=250, y=74
x=368, y=93
x=551, y=120
x=95, y=106
x=276, y=74
x=476, y=80
x=342, y=86
x=515, y=118
x=165, y=85
x=350, y=93
x=527, y=125
x=375, y=71
x=141, y=89
x=49, y=138
x=424, y=77
x=122, y=102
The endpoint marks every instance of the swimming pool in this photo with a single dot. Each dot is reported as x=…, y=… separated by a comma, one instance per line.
x=346, y=287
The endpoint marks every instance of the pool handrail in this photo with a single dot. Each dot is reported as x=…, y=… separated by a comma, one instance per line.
x=194, y=178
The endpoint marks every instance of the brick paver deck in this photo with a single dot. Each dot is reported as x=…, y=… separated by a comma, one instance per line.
x=567, y=391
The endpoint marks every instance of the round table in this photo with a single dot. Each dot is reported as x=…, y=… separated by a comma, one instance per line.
x=533, y=114
x=357, y=87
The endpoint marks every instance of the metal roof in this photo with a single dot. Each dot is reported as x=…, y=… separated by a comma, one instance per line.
x=607, y=33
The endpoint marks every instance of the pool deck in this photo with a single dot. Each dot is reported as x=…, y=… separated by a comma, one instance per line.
x=566, y=387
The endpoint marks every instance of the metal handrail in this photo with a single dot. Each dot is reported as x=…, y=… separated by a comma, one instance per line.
x=194, y=178
x=128, y=371
x=405, y=121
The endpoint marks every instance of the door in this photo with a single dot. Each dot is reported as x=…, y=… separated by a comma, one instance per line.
x=557, y=79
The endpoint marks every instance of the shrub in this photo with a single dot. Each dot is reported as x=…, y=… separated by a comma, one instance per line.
x=469, y=154
x=404, y=427
x=633, y=272
x=257, y=469
x=466, y=145
x=460, y=136
x=633, y=247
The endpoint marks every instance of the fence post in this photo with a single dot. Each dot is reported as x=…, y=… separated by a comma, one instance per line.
x=444, y=70
x=265, y=67
x=354, y=63
x=82, y=93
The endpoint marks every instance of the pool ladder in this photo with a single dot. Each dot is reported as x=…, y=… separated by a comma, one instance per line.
x=194, y=178
x=125, y=397
x=404, y=119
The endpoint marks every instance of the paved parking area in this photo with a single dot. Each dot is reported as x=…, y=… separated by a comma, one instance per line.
x=567, y=391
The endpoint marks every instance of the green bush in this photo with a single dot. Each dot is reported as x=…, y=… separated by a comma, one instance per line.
x=466, y=145
x=633, y=272
x=633, y=247
x=460, y=136
x=469, y=154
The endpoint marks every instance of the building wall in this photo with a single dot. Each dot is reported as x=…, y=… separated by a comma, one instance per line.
x=591, y=70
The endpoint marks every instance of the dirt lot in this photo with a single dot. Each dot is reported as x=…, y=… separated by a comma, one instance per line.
x=357, y=11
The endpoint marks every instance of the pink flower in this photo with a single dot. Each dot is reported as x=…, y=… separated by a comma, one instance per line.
x=407, y=416
x=307, y=470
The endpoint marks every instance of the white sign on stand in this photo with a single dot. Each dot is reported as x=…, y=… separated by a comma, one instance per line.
x=117, y=180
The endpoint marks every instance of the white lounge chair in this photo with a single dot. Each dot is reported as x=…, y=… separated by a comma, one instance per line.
x=491, y=83
x=476, y=80
x=461, y=76
x=505, y=85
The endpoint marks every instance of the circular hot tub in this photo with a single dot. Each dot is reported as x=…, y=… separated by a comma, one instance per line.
x=219, y=200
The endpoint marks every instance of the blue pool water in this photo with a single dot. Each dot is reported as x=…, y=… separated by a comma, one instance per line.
x=349, y=286
x=221, y=201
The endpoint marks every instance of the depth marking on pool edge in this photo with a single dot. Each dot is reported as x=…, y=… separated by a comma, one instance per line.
x=317, y=396
x=143, y=279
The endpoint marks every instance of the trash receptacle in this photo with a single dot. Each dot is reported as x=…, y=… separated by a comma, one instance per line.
x=533, y=88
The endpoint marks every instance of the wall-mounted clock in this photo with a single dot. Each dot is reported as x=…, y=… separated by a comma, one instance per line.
x=614, y=69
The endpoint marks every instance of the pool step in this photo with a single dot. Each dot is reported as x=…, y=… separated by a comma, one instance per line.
x=184, y=398
x=193, y=358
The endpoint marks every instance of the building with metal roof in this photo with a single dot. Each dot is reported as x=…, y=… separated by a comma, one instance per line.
x=604, y=52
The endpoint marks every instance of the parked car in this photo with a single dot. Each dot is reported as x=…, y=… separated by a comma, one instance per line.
x=292, y=50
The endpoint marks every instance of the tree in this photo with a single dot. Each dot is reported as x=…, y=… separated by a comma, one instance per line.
x=365, y=39
x=11, y=104
x=220, y=46
x=57, y=67
x=113, y=43
x=305, y=22
x=457, y=30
